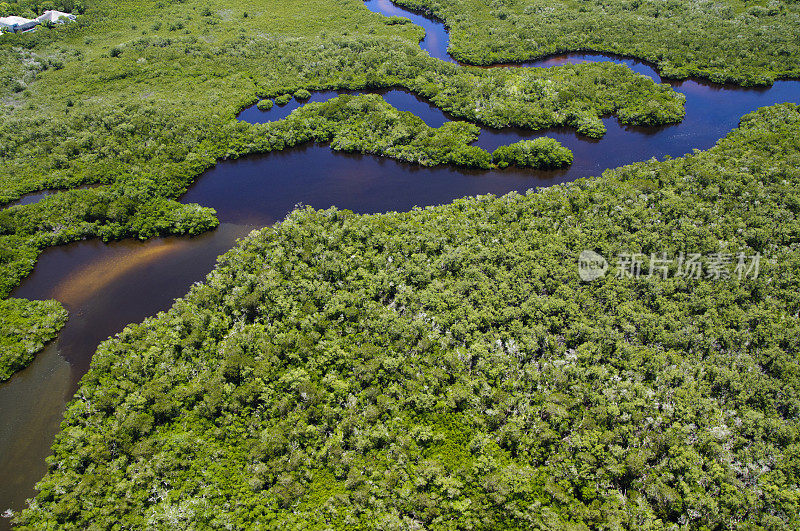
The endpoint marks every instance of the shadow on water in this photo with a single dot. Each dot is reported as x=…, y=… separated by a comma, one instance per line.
x=711, y=112
x=106, y=286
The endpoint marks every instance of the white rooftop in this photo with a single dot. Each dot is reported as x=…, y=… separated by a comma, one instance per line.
x=10, y=21
x=54, y=16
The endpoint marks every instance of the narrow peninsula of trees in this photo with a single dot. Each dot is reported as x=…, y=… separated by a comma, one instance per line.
x=142, y=97
x=723, y=41
x=448, y=368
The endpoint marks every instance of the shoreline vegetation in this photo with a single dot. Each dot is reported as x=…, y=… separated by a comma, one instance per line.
x=143, y=106
x=447, y=367
x=411, y=368
x=681, y=39
x=430, y=368
x=26, y=327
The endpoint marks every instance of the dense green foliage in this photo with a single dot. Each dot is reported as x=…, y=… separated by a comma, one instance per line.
x=446, y=368
x=17, y=69
x=367, y=124
x=302, y=94
x=440, y=368
x=283, y=99
x=742, y=41
x=537, y=153
x=143, y=96
x=24, y=329
x=34, y=8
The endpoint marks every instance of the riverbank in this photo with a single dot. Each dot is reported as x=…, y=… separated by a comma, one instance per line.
x=260, y=190
x=338, y=370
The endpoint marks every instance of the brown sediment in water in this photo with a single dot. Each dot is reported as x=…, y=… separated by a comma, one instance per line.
x=85, y=282
x=107, y=287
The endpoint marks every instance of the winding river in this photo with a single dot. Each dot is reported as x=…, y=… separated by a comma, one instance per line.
x=106, y=286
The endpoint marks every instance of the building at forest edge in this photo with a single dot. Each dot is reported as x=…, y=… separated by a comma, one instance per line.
x=18, y=24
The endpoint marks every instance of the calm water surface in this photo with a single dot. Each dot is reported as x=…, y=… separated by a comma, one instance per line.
x=104, y=287
x=34, y=197
x=107, y=286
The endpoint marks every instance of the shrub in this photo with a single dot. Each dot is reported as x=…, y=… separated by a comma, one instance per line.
x=537, y=153
x=302, y=94
x=264, y=105
x=283, y=99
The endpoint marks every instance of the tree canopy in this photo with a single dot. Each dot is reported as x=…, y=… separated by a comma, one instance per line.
x=142, y=97
x=447, y=367
x=749, y=42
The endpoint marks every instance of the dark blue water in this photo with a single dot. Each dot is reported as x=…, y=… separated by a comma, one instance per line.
x=262, y=189
x=400, y=99
x=712, y=109
x=35, y=197
x=105, y=286
x=436, y=39
x=29, y=199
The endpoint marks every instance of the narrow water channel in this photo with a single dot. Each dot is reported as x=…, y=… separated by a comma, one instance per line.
x=106, y=286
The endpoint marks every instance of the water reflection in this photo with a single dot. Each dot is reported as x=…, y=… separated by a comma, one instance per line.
x=31, y=407
x=104, y=287
x=107, y=286
x=399, y=98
